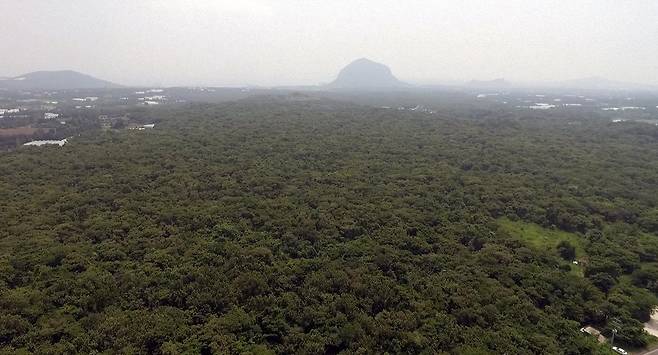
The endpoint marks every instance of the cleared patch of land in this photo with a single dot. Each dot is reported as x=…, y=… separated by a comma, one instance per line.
x=539, y=237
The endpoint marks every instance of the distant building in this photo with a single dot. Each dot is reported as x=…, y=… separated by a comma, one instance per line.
x=50, y=115
x=40, y=143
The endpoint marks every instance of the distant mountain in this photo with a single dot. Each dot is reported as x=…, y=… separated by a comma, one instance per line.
x=55, y=80
x=366, y=74
x=490, y=84
x=598, y=83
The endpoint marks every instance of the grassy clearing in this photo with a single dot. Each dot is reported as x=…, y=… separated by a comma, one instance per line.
x=541, y=238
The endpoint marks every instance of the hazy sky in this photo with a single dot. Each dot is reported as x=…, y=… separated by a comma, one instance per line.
x=234, y=42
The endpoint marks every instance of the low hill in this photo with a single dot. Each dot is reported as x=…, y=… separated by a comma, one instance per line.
x=366, y=74
x=487, y=84
x=599, y=83
x=55, y=80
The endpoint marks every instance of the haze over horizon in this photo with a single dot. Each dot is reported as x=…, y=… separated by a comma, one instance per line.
x=294, y=42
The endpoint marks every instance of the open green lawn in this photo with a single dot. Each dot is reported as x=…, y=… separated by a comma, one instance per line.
x=539, y=237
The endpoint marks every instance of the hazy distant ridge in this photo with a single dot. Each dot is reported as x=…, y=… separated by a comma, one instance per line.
x=598, y=83
x=55, y=80
x=486, y=84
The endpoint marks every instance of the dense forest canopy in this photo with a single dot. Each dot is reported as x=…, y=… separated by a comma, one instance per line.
x=312, y=226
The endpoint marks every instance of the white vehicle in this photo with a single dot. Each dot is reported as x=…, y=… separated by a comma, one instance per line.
x=619, y=350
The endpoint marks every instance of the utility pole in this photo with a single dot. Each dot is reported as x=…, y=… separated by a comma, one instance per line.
x=615, y=324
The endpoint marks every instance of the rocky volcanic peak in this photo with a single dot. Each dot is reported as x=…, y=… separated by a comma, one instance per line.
x=366, y=74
